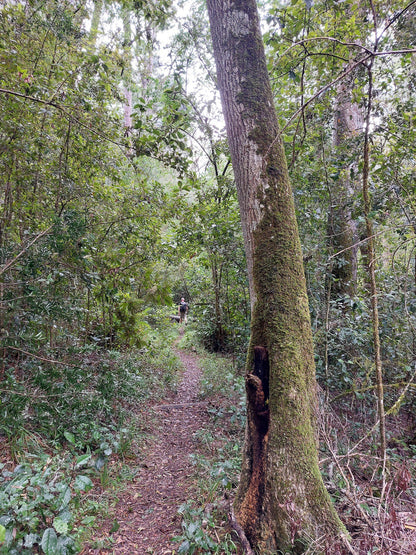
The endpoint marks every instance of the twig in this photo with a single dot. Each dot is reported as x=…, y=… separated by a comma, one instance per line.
x=398, y=14
x=347, y=491
x=348, y=545
x=16, y=258
x=323, y=38
x=326, y=87
x=70, y=116
x=180, y=405
x=40, y=358
x=406, y=385
x=362, y=61
x=356, y=244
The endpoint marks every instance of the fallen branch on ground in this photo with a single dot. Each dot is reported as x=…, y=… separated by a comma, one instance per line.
x=180, y=405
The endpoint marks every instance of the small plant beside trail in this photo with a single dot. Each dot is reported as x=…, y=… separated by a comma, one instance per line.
x=41, y=504
x=199, y=527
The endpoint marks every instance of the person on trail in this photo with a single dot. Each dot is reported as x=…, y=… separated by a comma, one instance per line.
x=183, y=311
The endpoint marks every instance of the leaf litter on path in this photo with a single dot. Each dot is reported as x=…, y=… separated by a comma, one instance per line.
x=145, y=517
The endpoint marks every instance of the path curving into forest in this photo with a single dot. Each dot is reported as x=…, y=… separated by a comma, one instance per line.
x=147, y=510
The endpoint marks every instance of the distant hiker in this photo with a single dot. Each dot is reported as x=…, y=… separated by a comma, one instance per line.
x=183, y=311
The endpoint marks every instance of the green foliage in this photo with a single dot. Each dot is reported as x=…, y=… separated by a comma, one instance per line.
x=164, y=137
x=221, y=374
x=102, y=228
x=344, y=354
x=90, y=419
x=196, y=527
x=194, y=537
x=80, y=218
x=39, y=504
x=90, y=397
x=214, y=261
x=310, y=47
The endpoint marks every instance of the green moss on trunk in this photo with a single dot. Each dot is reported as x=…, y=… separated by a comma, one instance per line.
x=281, y=501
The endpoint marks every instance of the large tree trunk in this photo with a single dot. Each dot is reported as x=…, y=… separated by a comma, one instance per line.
x=282, y=501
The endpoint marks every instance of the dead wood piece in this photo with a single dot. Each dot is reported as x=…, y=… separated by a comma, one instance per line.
x=240, y=532
x=181, y=405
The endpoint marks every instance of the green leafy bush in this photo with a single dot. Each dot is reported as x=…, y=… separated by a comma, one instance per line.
x=81, y=411
x=88, y=399
x=39, y=503
x=197, y=527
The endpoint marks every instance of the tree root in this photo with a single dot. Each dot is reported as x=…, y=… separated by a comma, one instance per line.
x=240, y=532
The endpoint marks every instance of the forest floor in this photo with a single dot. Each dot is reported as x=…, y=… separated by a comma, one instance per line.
x=145, y=517
x=168, y=491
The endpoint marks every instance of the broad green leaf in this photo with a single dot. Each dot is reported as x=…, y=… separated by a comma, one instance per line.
x=64, y=498
x=88, y=520
x=65, y=515
x=114, y=527
x=184, y=548
x=49, y=542
x=31, y=539
x=100, y=462
x=81, y=460
x=69, y=437
x=82, y=483
x=60, y=526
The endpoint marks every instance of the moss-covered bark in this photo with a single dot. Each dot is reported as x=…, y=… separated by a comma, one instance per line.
x=282, y=501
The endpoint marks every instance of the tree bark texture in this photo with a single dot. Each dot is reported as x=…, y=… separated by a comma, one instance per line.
x=281, y=502
x=342, y=228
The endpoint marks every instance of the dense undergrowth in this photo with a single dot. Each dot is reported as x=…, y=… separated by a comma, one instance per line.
x=65, y=419
x=69, y=442
x=379, y=513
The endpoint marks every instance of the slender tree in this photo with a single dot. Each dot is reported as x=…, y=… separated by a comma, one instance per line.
x=282, y=501
x=95, y=20
x=342, y=228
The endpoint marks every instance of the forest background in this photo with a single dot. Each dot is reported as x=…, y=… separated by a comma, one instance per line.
x=117, y=198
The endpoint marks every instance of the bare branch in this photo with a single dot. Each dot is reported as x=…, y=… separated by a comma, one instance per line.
x=330, y=39
x=397, y=15
x=326, y=87
x=64, y=111
x=394, y=52
x=16, y=258
x=240, y=532
x=40, y=358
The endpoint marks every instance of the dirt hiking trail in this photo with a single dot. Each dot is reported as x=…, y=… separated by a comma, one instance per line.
x=147, y=510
